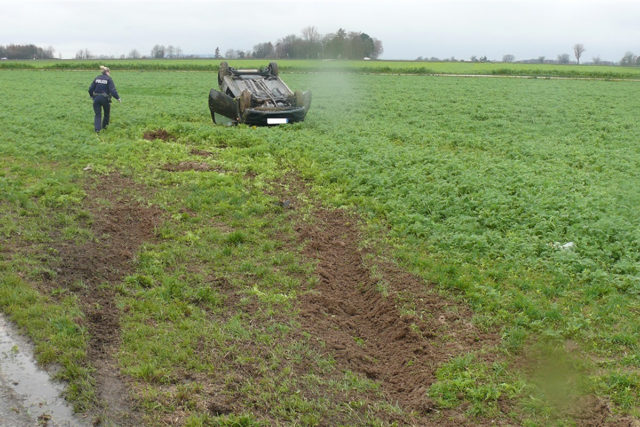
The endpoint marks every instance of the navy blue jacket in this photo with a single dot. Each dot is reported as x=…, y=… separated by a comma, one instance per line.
x=103, y=85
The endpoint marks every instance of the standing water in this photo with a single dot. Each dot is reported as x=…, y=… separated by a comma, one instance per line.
x=28, y=395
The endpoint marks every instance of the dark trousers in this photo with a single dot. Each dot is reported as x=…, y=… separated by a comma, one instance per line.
x=101, y=103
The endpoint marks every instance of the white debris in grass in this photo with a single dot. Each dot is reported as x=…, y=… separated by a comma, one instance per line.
x=563, y=246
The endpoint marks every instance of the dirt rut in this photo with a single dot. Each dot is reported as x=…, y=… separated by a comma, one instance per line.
x=372, y=316
x=367, y=330
x=120, y=225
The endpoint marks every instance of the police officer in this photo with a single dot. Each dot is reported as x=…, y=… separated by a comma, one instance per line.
x=101, y=90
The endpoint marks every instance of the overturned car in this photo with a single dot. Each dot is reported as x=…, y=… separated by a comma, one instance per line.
x=256, y=97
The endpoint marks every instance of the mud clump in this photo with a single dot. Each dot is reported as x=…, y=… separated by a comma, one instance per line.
x=591, y=411
x=162, y=134
x=189, y=166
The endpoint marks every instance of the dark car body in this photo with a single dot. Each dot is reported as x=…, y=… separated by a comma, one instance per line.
x=256, y=97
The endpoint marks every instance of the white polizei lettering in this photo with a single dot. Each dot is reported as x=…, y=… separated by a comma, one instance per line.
x=104, y=82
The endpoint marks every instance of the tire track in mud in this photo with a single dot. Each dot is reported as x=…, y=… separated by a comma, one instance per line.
x=90, y=269
x=376, y=319
x=366, y=330
x=380, y=321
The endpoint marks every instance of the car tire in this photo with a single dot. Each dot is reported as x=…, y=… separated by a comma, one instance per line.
x=273, y=68
x=299, y=98
x=223, y=70
x=244, y=101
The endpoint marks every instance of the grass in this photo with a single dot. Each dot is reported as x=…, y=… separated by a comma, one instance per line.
x=402, y=67
x=466, y=378
x=479, y=183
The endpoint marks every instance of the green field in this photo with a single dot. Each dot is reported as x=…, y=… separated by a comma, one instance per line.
x=515, y=197
x=376, y=67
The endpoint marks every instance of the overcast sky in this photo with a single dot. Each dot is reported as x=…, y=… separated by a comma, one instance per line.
x=407, y=28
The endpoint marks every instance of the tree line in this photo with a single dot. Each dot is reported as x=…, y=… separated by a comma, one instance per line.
x=157, y=52
x=310, y=45
x=629, y=59
x=25, y=51
x=313, y=45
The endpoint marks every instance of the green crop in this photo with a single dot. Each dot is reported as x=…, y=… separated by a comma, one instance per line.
x=517, y=196
x=375, y=67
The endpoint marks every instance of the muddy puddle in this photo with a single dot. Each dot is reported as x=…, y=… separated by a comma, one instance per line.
x=28, y=395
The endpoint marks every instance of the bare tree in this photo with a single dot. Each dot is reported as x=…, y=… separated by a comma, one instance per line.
x=311, y=46
x=158, y=51
x=231, y=54
x=134, y=54
x=628, y=59
x=564, y=58
x=508, y=58
x=263, y=50
x=83, y=54
x=578, y=50
x=289, y=47
x=311, y=34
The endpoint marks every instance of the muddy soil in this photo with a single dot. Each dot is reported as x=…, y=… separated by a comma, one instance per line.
x=120, y=224
x=28, y=396
x=359, y=317
x=373, y=317
x=391, y=326
x=162, y=134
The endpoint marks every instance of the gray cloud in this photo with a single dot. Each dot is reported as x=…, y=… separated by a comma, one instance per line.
x=408, y=28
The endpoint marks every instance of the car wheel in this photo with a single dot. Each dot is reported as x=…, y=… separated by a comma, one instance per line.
x=245, y=101
x=273, y=68
x=223, y=70
x=299, y=98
